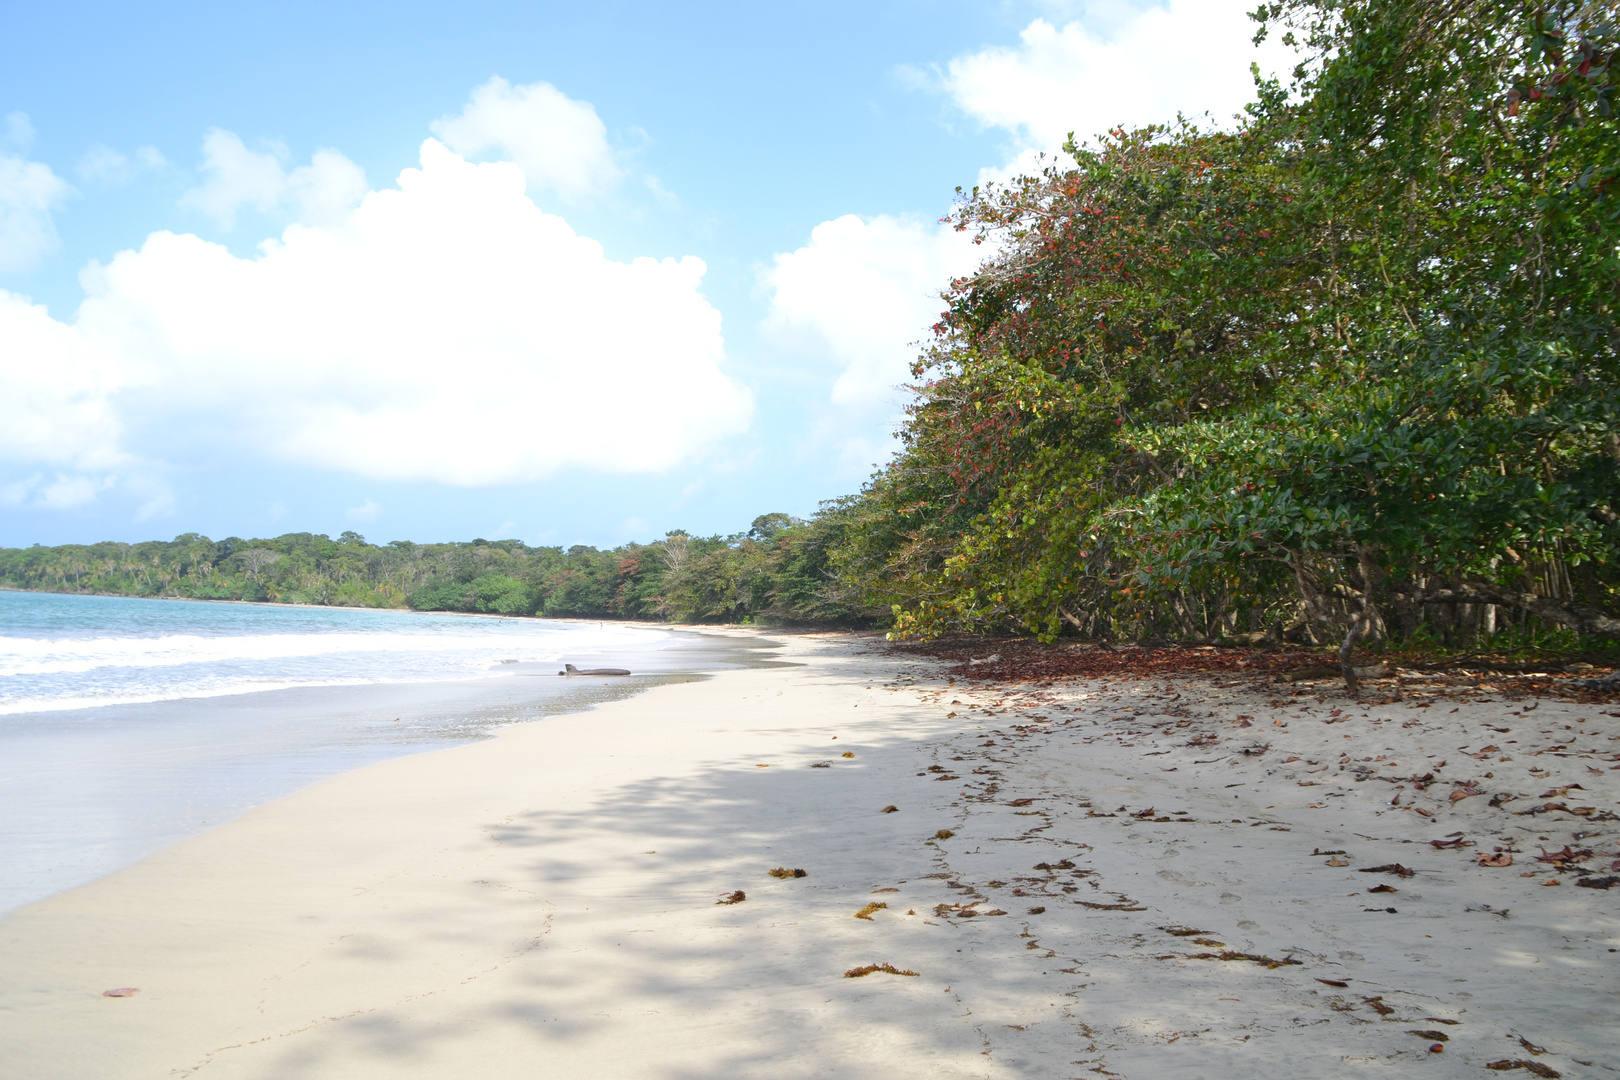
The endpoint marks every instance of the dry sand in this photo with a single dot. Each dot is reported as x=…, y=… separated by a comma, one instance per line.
x=544, y=904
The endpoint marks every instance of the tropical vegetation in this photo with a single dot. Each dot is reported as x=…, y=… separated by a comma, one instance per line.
x=1343, y=370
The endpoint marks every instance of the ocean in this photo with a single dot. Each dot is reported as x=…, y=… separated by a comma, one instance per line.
x=127, y=724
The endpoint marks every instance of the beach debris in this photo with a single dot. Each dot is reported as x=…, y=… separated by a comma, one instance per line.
x=890, y=809
x=784, y=872
x=847, y=754
x=944, y=834
x=1037, y=910
x=1333, y=982
x=1066, y=864
x=1383, y=888
x=821, y=764
x=122, y=991
x=1128, y=905
x=1020, y=802
x=1388, y=868
x=1336, y=861
x=1436, y=1048
x=1376, y=1004
x=732, y=897
x=1532, y=1047
x=1561, y=858
x=1432, y=1036
x=1457, y=842
x=1182, y=931
x=888, y=969
x=1608, y=881
x=866, y=912
x=1534, y=1068
x=571, y=670
x=886, y=888
x=1501, y=858
x=1229, y=955
x=1310, y=674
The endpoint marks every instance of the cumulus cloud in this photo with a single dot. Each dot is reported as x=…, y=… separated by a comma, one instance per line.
x=560, y=143
x=860, y=295
x=29, y=194
x=56, y=386
x=444, y=330
x=1105, y=69
x=234, y=177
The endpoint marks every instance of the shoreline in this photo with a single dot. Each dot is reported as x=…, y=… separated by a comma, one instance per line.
x=545, y=903
x=91, y=787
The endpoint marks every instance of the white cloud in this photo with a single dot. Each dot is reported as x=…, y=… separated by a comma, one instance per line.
x=320, y=193
x=861, y=294
x=560, y=143
x=366, y=511
x=445, y=330
x=1108, y=68
x=29, y=193
x=56, y=385
x=104, y=165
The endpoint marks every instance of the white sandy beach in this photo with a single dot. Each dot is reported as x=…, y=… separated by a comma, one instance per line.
x=543, y=904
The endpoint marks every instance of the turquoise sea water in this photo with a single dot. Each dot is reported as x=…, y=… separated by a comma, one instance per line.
x=126, y=724
x=68, y=652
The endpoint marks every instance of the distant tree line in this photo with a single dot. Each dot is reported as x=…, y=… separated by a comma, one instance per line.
x=777, y=572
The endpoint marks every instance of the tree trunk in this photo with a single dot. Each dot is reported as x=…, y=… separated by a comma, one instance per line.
x=1362, y=623
x=1582, y=619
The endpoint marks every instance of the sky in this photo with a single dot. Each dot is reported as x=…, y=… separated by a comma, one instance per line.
x=553, y=272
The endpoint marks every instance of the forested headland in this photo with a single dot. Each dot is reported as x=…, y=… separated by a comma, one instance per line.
x=1344, y=371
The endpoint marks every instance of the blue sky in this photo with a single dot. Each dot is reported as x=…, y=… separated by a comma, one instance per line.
x=566, y=273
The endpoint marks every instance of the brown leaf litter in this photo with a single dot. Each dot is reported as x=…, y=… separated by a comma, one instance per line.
x=888, y=969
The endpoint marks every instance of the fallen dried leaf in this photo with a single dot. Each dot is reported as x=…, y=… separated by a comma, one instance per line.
x=1534, y=1068
x=1503, y=859
x=1388, y=868
x=784, y=872
x=122, y=991
x=867, y=969
x=1264, y=961
x=733, y=898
